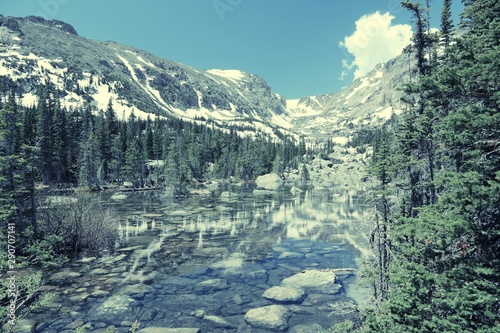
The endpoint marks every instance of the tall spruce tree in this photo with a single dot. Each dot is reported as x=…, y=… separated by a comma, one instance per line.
x=446, y=23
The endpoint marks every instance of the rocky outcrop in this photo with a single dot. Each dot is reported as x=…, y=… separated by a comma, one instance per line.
x=272, y=317
x=271, y=181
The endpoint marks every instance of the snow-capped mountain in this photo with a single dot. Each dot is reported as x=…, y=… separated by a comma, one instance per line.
x=35, y=51
x=369, y=100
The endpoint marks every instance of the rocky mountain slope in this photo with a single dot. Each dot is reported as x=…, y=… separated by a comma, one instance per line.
x=35, y=51
x=369, y=100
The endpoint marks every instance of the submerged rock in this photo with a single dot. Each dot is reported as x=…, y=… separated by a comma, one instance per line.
x=168, y=330
x=219, y=322
x=229, y=196
x=323, y=282
x=272, y=317
x=270, y=181
x=114, y=309
x=200, y=192
x=310, y=328
x=210, y=286
x=136, y=291
x=22, y=326
x=63, y=278
x=263, y=192
x=295, y=190
x=290, y=255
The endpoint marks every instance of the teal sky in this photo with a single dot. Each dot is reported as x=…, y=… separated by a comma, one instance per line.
x=292, y=44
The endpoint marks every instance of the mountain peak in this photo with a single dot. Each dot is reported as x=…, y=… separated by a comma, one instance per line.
x=54, y=24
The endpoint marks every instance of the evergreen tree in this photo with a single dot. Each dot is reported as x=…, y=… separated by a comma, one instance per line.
x=60, y=163
x=446, y=23
x=419, y=37
x=45, y=108
x=89, y=159
x=10, y=159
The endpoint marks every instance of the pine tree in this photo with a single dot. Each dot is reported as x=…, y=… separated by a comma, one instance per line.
x=89, y=158
x=419, y=38
x=60, y=164
x=446, y=23
x=45, y=108
x=9, y=159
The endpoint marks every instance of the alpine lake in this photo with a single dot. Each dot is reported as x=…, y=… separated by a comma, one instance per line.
x=236, y=262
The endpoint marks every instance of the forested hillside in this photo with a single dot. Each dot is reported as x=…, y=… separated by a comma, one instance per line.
x=92, y=147
x=436, y=238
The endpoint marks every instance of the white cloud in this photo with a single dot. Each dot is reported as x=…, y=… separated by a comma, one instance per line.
x=374, y=41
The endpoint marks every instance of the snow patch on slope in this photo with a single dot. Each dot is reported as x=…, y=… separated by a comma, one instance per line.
x=296, y=109
x=233, y=75
x=145, y=62
x=153, y=93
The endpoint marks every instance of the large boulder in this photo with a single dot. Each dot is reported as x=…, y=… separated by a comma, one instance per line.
x=284, y=294
x=272, y=317
x=270, y=181
x=314, y=281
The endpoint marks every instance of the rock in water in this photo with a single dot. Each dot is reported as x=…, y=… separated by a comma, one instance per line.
x=114, y=309
x=303, y=328
x=270, y=181
x=285, y=294
x=272, y=317
x=168, y=330
x=211, y=286
x=295, y=190
x=322, y=282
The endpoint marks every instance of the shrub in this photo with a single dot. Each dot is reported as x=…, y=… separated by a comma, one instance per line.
x=76, y=225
